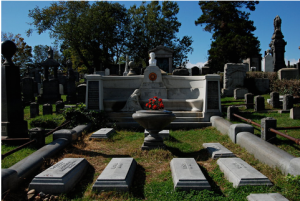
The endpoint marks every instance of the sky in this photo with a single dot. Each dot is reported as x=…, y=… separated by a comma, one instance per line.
x=14, y=19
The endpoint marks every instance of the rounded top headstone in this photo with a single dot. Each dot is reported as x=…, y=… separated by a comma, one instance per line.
x=9, y=48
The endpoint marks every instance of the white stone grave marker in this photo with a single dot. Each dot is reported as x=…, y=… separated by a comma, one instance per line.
x=216, y=150
x=103, y=133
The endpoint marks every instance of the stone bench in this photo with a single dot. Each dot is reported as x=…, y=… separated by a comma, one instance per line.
x=194, y=105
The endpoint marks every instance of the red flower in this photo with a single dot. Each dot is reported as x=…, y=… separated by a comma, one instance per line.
x=154, y=107
x=155, y=97
x=150, y=99
x=160, y=100
x=147, y=104
x=153, y=101
x=161, y=106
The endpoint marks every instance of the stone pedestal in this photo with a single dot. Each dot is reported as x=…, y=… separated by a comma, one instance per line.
x=12, y=113
x=37, y=134
x=266, y=124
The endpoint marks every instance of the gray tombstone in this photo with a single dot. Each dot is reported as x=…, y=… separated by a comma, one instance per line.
x=249, y=99
x=59, y=106
x=266, y=124
x=216, y=150
x=195, y=70
x=34, y=109
x=103, y=133
x=12, y=113
x=187, y=175
x=117, y=175
x=288, y=74
x=81, y=93
x=205, y=70
x=47, y=109
x=295, y=113
x=28, y=89
x=234, y=75
x=239, y=93
x=241, y=173
x=274, y=99
x=266, y=197
x=287, y=102
x=61, y=177
x=259, y=103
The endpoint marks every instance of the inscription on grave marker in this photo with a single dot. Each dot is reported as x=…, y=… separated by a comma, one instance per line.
x=212, y=95
x=93, y=95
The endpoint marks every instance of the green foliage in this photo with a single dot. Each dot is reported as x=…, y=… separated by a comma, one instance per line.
x=93, y=33
x=153, y=25
x=80, y=115
x=232, y=30
x=46, y=121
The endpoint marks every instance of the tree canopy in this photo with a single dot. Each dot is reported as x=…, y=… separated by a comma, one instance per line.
x=100, y=33
x=233, y=38
x=153, y=25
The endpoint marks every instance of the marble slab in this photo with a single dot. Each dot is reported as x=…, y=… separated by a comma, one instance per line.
x=187, y=175
x=266, y=197
x=61, y=177
x=103, y=133
x=117, y=175
x=216, y=150
x=241, y=173
x=164, y=133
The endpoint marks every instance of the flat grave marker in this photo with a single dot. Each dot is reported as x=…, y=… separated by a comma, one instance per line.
x=216, y=150
x=117, y=175
x=266, y=197
x=103, y=133
x=241, y=173
x=61, y=177
x=187, y=175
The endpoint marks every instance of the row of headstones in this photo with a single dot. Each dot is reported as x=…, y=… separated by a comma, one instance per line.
x=274, y=101
x=31, y=89
x=186, y=174
x=47, y=108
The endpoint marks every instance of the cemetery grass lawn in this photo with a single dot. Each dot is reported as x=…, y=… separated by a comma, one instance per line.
x=153, y=178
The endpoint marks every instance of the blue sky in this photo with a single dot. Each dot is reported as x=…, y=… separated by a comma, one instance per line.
x=14, y=18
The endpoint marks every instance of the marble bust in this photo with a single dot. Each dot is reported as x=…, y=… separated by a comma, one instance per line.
x=152, y=60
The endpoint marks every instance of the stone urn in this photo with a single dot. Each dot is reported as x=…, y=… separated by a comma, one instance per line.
x=153, y=121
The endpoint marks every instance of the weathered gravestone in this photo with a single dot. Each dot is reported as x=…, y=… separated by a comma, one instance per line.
x=259, y=103
x=241, y=173
x=288, y=74
x=234, y=76
x=268, y=63
x=266, y=197
x=187, y=175
x=216, y=150
x=239, y=93
x=61, y=177
x=249, y=99
x=205, y=70
x=12, y=113
x=288, y=102
x=34, y=109
x=47, y=109
x=274, y=99
x=28, y=89
x=81, y=93
x=103, y=133
x=295, y=113
x=117, y=175
x=195, y=70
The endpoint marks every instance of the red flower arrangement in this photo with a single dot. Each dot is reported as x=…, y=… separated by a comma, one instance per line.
x=155, y=103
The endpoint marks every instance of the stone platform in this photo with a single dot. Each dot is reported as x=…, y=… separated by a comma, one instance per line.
x=184, y=120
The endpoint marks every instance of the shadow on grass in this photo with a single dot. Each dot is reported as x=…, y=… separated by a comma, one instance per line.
x=200, y=155
x=278, y=142
x=75, y=150
x=137, y=187
x=173, y=139
x=79, y=189
x=214, y=186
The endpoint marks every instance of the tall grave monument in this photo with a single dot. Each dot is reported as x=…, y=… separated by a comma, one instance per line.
x=12, y=114
x=277, y=45
x=50, y=86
